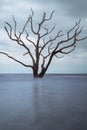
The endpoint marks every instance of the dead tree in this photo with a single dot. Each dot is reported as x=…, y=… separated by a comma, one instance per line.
x=45, y=49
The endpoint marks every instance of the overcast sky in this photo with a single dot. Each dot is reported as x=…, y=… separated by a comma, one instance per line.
x=67, y=12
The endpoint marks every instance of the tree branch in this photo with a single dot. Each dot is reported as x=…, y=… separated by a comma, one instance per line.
x=74, y=27
x=15, y=59
x=9, y=33
x=44, y=19
x=58, y=56
x=20, y=33
x=51, y=40
x=43, y=63
x=63, y=52
x=81, y=39
x=18, y=38
x=77, y=31
x=65, y=47
x=27, y=37
x=29, y=52
x=47, y=31
x=31, y=22
x=15, y=25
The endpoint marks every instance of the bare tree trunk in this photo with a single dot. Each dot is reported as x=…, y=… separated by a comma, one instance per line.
x=35, y=71
x=42, y=73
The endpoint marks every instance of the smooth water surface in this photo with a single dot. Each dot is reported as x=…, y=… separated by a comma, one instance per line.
x=55, y=102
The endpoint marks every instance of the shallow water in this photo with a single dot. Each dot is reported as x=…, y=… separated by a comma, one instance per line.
x=55, y=102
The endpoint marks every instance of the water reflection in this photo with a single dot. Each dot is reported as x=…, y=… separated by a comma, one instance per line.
x=36, y=98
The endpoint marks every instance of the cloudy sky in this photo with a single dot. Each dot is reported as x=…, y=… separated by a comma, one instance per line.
x=67, y=12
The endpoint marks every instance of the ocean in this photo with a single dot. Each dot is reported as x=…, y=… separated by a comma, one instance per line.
x=54, y=102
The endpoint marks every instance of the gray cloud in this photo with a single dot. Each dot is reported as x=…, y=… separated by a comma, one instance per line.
x=77, y=8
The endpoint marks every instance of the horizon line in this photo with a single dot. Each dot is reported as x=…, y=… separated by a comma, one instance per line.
x=45, y=74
